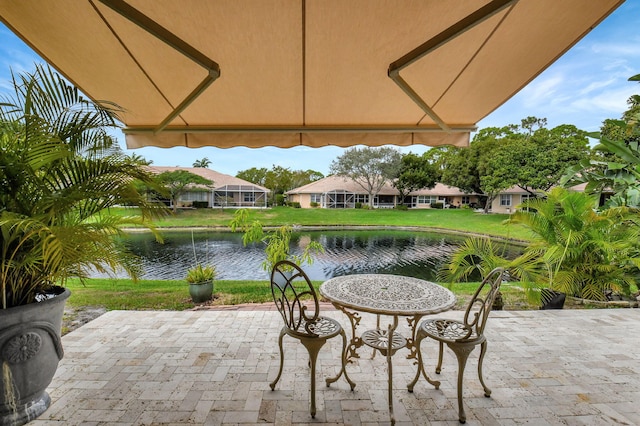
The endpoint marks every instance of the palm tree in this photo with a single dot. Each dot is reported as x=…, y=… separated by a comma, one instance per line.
x=203, y=162
x=587, y=253
x=60, y=172
x=575, y=250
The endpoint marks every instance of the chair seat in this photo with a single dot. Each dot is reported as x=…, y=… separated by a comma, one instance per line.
x=379, y=339
x=448, y=331
x=322, y=328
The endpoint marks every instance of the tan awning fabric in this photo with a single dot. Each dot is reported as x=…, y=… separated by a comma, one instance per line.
x=302, y=72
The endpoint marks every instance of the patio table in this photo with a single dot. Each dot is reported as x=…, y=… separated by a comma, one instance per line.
x=388, y=295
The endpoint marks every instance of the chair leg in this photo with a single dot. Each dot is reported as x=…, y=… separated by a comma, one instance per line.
x=420, y=368
x=462, y=353
x=273, y=384
x=440, y=351
x=483, y=351
x=313, y=347
x=343, y=369
x=390, y=369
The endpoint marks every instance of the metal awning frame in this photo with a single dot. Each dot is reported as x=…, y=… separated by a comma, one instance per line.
x=213, y=72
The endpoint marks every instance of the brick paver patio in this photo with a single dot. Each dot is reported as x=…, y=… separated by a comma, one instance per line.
x=209, y=367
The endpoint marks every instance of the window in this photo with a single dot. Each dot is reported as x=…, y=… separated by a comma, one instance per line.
x=194, y=196
x=465, y=199
x=249, y=197
x=427, y=199
x=316, y=198
x=362, y=198
x=505, y=200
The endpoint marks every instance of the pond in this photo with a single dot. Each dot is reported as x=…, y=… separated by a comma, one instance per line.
x=418, y=254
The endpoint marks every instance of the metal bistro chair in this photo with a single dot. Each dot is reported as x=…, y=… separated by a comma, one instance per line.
x=462, y=337
x=297, y=302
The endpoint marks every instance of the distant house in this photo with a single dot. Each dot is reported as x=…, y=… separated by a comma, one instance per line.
x=337, y=192
x=508, y=200
x=449, y=196
x=226, y=191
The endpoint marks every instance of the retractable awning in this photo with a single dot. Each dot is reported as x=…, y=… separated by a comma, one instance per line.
x=301, y=72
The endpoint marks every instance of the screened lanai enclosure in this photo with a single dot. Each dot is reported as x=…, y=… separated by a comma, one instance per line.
x=239, y=196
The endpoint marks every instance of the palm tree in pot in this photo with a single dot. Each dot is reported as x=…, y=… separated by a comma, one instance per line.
x=60, y=172
x=576, y=250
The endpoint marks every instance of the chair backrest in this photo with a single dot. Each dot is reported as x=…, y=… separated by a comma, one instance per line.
x=479, y=306
x=295, y=297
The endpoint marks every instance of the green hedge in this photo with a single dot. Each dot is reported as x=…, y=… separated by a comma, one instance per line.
x=200, y=204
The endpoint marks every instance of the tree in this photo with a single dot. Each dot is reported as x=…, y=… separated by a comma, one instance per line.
x=438, y=157
x=278, y=180
x=467, y=168
x=203, y=163
x=304, y=177
x=254, y=175
x=575, y=250
x=370, y=168
x=178, y=181
x=499, y=158
x=416, y=172
x=543, y=158
x=617, y=166
x=587, y=253
x=139, y=159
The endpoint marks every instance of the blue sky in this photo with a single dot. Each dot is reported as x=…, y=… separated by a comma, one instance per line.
x=584, y=87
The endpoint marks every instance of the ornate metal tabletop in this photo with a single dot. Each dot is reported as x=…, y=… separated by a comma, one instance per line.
x=388, y=294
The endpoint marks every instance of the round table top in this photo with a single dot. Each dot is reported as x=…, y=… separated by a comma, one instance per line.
x=388, y=294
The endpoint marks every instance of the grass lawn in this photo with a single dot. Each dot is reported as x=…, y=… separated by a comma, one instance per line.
x=458, y=220
x=123, y=294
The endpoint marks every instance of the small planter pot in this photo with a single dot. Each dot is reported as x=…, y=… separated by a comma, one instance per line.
x=551, y=299
x=201, y=292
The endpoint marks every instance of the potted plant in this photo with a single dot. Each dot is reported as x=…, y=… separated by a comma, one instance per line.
x=200, y=279
x=576, y=251
x=60, y=172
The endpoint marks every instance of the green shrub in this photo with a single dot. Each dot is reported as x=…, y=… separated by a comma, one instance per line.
x=314, y=204
x=280, y=200
x=403, y=207
x=200, y=204
x=437, y=205
x=358, y=205
x=294, y=204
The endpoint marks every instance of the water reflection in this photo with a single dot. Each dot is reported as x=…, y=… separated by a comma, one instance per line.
x=410, y=253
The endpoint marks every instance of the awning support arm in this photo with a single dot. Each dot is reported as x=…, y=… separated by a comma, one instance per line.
x=435, y=42
x=175, y=42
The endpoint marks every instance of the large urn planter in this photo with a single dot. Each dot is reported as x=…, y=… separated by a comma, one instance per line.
x=30, y=349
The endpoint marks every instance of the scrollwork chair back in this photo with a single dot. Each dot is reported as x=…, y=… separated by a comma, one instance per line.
x=295, y=298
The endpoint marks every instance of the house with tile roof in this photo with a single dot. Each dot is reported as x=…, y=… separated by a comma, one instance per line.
x=337, y=192
x=510, y=199
x=226, y=190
